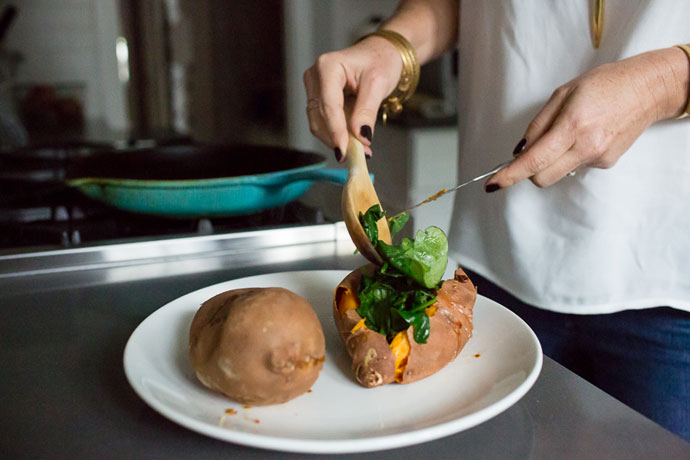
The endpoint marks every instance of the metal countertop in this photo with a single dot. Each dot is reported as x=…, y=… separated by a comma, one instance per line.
x=66, y=315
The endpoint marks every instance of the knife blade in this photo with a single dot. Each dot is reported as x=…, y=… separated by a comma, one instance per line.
x=454, y=189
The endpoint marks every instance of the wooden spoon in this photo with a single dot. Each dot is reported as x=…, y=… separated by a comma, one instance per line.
x=358, y=196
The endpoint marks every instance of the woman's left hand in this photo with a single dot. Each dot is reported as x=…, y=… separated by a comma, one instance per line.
x=592, y=120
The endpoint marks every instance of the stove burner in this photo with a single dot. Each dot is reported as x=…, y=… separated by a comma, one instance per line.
x=84, y=221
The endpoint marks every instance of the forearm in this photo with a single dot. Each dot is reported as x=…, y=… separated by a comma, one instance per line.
x=431, y=26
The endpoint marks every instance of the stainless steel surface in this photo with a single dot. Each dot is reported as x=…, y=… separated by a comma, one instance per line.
x=66, y=317
x=150, y=260
x=22, y=263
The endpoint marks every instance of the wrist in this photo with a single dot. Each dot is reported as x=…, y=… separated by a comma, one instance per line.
x=671, y=78
x=385, y=51
x=685, y=110
x=421, y=45
x=384, y=55
x=409, y=77
x=431, y=26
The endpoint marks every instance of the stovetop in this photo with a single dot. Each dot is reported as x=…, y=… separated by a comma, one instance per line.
x=36, y=209
x=76, y=221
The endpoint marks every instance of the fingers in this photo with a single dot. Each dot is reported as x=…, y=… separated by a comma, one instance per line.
x=547, y=139
x=539, y=157
x=325, y=84
x=546, y=116
x=317, y=125
x=332, y=110
x=562, y=167
x=372, y=90
x=345, y=88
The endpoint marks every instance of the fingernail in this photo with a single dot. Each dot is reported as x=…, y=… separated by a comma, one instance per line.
x=365, y=131
x=338, y=154
x=489, y=188
x=520, y=147
x=368, y=155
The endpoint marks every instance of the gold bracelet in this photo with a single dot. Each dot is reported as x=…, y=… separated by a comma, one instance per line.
x=685, y=112
x=409, y=77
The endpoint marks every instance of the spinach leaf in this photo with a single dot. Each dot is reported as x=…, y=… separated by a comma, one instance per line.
x=376, y=298
x=423, y=258
x=420, y=323
x=397, y=295
x=396, y=223
x=373, y=215
x=368, y=221
x=391, y=302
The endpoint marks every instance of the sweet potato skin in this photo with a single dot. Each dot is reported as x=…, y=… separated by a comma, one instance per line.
x=257, y=346
x=373, y=362
x=451, y=328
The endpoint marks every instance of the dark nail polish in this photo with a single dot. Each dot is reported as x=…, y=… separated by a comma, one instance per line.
x=338, y=154
x=491, y=188
x=520, y=147
x=365, y=131
x=368, y=155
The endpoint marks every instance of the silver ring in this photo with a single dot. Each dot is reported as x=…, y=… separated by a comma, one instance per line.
x=571, y=173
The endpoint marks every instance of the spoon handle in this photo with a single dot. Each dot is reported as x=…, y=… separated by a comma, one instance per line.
x=358, y=196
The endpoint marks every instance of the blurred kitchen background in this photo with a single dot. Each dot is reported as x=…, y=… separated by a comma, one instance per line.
x=79, y=77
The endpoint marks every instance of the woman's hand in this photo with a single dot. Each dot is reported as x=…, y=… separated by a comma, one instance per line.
x=592, y=120
x=355, y=80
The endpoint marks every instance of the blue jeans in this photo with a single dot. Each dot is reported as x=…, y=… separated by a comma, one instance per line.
x=640, y=357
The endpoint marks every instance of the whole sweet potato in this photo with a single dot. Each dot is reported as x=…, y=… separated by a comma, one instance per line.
x=257, y=346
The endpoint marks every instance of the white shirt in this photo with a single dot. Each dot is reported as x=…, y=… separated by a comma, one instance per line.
x=603, y=240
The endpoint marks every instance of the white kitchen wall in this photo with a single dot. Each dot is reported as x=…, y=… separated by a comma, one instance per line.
x=65, y=41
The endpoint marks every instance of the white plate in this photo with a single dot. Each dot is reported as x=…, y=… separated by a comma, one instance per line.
x=495, y=369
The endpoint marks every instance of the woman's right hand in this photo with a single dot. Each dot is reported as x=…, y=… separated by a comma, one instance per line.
x=351, y=81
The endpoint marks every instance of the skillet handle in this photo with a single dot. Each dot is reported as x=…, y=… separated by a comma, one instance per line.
x=334, y=175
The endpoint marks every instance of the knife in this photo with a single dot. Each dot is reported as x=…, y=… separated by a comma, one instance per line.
x=454, y=189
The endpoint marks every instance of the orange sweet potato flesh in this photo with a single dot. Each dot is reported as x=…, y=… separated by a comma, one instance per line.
x=373, y=362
